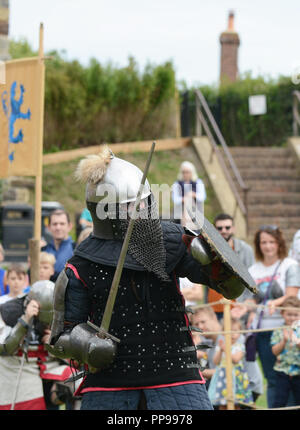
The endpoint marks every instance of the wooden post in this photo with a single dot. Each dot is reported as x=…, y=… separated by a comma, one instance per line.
x=34, y=252
x=227, y=328
x=178, y=116
x=34, y=249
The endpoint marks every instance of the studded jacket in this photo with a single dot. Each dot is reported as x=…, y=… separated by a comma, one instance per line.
x=149, y=316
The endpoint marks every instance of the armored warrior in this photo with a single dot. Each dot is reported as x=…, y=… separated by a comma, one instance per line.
x=148, y=358
x=28, y=318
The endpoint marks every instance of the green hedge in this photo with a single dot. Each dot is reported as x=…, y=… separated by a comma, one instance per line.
x=229, y=105
x=103, y=103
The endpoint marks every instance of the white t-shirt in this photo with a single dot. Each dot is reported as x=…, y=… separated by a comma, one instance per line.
x=262, y=275
x=295, y=249
x=6, y=297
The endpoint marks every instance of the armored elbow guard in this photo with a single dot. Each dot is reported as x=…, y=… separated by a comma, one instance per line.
x=13, y=340
x=84, y=345
x=201, y=251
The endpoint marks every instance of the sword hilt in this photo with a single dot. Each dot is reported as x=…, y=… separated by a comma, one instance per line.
x=102, y=333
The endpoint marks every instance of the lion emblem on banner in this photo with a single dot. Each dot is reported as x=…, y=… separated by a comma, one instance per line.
x=13, y=113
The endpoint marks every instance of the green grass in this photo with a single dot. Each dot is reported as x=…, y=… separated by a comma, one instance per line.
x=261, y=402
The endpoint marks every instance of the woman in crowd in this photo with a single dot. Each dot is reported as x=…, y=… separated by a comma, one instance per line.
x=187, y=190
x=277, y=277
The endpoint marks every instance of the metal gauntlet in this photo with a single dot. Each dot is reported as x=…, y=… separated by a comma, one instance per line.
x=83, y=344
x=13, y=340
x=231, y=288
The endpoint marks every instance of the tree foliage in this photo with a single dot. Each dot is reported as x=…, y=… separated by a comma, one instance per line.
x=103, y=103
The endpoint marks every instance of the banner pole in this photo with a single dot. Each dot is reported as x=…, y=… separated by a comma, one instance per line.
x=34, y=244
x=227, y=328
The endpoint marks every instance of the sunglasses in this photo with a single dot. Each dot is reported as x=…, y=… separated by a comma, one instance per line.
x=226, y=227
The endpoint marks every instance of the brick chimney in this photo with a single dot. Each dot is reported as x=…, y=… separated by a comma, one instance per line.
x=230, y=41
x=4, y=24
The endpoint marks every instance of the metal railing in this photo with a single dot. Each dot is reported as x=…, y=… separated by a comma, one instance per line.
x=296, y=116
x=211, y=128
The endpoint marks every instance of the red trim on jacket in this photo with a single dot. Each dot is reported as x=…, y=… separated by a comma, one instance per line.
x=78, y=391
x=73, y=268
x=175, y=384
x=187, y=240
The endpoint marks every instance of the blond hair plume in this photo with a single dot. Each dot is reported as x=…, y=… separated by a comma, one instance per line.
x=93, y=167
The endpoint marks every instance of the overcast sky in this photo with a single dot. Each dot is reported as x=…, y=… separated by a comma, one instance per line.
x=186, y=32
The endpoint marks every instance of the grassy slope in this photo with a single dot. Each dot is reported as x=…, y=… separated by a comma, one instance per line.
x=59, y=185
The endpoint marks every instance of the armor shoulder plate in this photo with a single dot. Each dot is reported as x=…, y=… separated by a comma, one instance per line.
x=59, y=305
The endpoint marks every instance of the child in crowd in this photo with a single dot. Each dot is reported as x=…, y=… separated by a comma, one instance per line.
x=47, y=262
x=217, y=389
x=2, y=274
x=16, y=279
x=205, y=319
x=286, y=347
x=84, y=234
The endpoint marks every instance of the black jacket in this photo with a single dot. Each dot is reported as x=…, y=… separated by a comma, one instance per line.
x=149, y=316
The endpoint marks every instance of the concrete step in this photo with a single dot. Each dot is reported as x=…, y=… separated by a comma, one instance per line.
x=275, y=185
x=258, y=151
x=268, y=173
x=246, y=161
x=279, y=209
x=285, y=223
x=270, y=198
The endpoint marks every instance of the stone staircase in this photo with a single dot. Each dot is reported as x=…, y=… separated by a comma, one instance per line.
x=274, y=178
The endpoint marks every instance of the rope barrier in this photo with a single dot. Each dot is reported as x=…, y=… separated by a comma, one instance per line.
x=247, y=304
x=205, y=305
x=258, y=330
x=226, y=302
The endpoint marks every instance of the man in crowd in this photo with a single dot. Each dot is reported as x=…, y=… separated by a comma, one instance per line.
x=62, y=244
x=224, y=224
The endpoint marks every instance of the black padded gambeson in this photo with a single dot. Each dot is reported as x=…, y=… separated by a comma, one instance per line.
x=149, y=318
